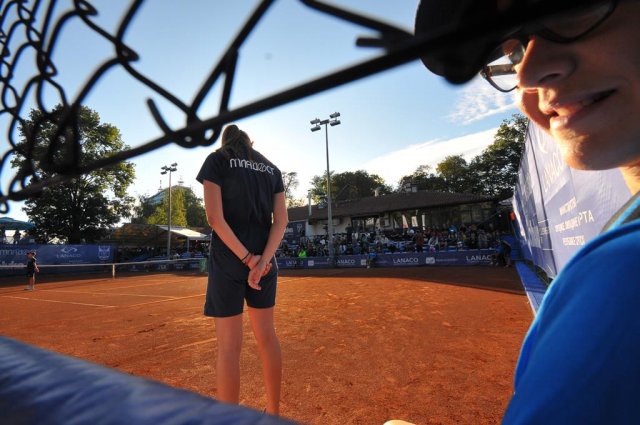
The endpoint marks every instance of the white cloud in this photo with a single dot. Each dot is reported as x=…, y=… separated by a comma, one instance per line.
x=397, y=164
x=478, y=100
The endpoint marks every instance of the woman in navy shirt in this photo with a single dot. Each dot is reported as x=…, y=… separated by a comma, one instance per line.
x=245, y=204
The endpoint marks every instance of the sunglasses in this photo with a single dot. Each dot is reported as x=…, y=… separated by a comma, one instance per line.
x=501, y=72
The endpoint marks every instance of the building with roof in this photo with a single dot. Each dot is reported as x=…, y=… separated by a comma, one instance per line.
x=396, y=211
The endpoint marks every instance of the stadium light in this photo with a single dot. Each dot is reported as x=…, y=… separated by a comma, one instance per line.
x=169, y=169
x=333, y=121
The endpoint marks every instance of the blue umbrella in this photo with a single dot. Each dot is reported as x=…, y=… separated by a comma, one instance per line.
x=9, y=223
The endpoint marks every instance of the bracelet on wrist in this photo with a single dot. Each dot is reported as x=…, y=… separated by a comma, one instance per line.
x=245, y=257
x=248, y=258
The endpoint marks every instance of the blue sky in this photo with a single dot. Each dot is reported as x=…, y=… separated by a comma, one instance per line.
x=392, y=122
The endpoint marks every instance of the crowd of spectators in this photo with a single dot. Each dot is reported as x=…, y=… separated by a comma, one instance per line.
x=17, y=239
x=127, y=254
x=452, y=238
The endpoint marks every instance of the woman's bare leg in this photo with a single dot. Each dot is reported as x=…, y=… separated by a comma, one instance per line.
x=269, y=347
x=229, y=335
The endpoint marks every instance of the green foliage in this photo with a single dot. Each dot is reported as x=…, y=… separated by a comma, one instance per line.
x=496, y=168
x=455, y=172
x=82, y=209
x=178, y=210
x=291, y=183
x=187, y=210
x=493, y=173
x=194, y=207
x=348, y=185
x=425, y=179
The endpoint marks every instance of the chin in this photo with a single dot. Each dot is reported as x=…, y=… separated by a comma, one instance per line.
x=592, y=162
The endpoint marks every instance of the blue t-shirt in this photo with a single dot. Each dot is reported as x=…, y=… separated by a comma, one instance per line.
x=580, y=361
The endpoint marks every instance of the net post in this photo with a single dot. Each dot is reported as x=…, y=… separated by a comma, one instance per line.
x=113, y=270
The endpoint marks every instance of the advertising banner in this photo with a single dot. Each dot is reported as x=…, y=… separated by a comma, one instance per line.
x=473, y=257
x=151, y=266
x=560, y=209
x=576, y=203
x=57, y=254
x=295, y=230
x=347, y=261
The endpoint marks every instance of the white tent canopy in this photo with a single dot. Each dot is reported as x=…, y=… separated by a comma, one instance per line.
x=191, y=235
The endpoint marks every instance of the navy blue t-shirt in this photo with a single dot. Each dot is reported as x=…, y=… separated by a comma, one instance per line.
x=248, y=187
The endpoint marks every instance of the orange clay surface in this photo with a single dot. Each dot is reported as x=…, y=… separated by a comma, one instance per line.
x=429, y=345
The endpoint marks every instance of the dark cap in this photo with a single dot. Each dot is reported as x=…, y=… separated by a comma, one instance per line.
x=457, y=59
x=31, y=252
x=471, y=29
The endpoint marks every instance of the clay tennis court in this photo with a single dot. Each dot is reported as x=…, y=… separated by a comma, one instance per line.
x=430, y=345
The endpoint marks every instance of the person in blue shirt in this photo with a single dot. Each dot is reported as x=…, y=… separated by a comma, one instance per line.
x=576, y=75
x=246, y=209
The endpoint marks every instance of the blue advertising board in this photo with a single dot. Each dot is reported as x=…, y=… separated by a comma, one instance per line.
x=560, y=209
x=57, y=254
x=474, y=257
x=295, y=230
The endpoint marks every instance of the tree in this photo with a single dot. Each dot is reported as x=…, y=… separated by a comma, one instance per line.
x=291, y=183
x=348, y=185
x=425, y=179
x=455, y=172
x=143, y=210
x=192, y=208
x=178, y=210
x=496, y=168
x=493, y=173
x=84, y=208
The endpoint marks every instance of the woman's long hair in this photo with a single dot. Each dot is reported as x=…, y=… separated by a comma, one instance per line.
x=236, y=143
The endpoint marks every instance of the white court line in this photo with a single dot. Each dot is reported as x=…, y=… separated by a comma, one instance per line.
x=131, y=305
x=203, y=341
x=162, y=301
x=281, y=279
x=60, y=302
x=109, y=293
x=139, y=285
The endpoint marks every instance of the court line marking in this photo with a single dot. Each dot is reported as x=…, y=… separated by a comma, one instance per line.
x=109, y=293
x=60, y=302
x=162, y=301
x=282, y=279
x=166, y=298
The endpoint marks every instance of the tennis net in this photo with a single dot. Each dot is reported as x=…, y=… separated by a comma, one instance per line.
x=196, y=265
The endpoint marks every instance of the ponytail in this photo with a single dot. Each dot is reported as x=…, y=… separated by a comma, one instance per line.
x=236, y=143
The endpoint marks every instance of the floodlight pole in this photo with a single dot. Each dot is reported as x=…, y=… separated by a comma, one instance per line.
x=169, y=169
x=332, y=120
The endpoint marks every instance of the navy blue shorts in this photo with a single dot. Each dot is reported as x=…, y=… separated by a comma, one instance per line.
x=227, y=288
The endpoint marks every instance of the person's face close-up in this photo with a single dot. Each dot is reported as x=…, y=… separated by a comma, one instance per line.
x=586, y=93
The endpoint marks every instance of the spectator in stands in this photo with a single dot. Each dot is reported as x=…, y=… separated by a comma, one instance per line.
x=17, y=236
x=245, y=205
x=483, y=242
x=419, y=241
x=506, y=252
x=3, y=235
x=577, y=75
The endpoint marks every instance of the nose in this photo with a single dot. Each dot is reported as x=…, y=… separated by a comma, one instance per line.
x=544, y=63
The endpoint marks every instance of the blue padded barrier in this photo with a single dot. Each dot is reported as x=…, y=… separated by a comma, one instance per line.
x=42, y=387
x=533, y=286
